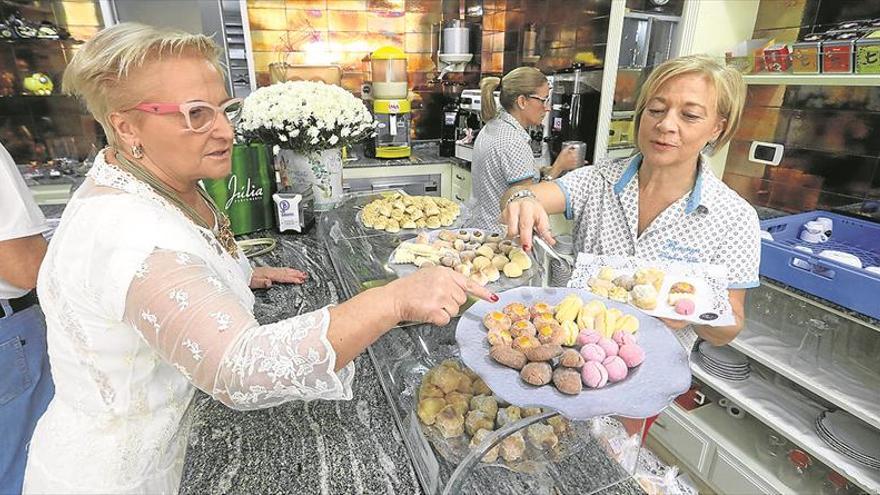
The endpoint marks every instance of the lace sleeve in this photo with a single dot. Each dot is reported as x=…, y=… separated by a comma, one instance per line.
x=199, y=326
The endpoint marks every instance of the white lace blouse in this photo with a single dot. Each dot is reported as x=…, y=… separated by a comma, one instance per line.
x=141, y=306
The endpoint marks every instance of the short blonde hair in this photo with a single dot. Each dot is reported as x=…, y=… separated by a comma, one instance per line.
x=99, y=71
x=522, y=81
x=730, y=91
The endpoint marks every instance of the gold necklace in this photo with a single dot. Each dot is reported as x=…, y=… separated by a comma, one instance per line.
x=225, y=236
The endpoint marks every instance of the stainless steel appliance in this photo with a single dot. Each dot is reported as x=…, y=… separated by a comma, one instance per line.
x=414, y=185
x=575, y=108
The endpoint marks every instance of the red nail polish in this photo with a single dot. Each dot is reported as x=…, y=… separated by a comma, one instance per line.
x=494, y=298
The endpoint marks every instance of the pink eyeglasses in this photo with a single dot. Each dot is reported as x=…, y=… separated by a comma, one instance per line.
x=199, y=115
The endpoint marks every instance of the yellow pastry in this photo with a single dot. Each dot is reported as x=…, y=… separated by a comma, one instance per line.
x=512, y=270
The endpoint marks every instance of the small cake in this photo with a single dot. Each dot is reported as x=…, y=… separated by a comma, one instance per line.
x=685, y=307
x=651, y=276
x=626, y=282
x=464, y=235
x=481, y=262
x=499, y=337
x=549, y=334
x=543, y=352
x=428, y=409
x=537, y=373
x=499, y=261
x=508, y=356
x=622, y=337
x=496, y=320
x=486, y=251
x=571, y=358
x=609, y=346
x=592, y=352
x=494, y=237
x=447, y=235
x=459, y=401
x=679, y=291
x=477, y=420
x=480, y=387
x=523, y=327
x=540, y=308
x=616, y=368
x=567, y=380
x=512, y=447
x=531, y=411
x=450, y=261
x=588, y=337
x=618, y=294
x=505, y=246
x=542, y=436
x=594, y=375
x=478, y=236
x=607, y=273
x=507, y=415
x=627, y=323
x=632, y=354
x=516, y=311
x=524, y=342
x=491, y=273
x=544, y=320
x=449, y=422
x=520, y=258
x=485, y=403
x=644, y=296
x=463, y=268
x=492, y=454
x=597, y=283
x=467, y=256
x=512, y=270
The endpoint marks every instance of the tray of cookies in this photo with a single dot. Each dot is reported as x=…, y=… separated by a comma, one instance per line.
x=399, y=212
x=694, y=292
x=569, y=350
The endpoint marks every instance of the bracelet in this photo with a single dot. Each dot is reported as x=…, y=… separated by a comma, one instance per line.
x=522, y=193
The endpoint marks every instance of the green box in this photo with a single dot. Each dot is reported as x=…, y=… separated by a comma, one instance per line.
x=246, y=194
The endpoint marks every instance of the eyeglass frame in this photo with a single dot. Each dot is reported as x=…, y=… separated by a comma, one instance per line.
x=184, y=108
x=544, y=101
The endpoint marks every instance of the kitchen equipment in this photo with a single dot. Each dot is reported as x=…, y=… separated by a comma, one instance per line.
x=454, y=53
x=245, y=195
x=448, y=128
x=388, y=65
x=414, y=185
x=806, y=54
x=468, y=123
x=838, y=53
x=850, y=287
x=393, y=128
x=868, y=53
x=573, y=116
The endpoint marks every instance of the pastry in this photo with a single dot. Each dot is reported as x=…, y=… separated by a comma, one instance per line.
x=685, y=306
x=650, y=276
x=485, y=251
x=520, y=258
x=499, y=261
x=496, y=320
x=567, y=380
x=485, y=403
x=508, y=415
x=459, y=401
x=446, y=378
x=551, y=335
x=594, y=375
x=450, y=261
x=627, y=323
x=464, y=235
x=523, y=327
x=616, y=368
x=492, y=454
x=480, y=278
x=537, y=373
x=478, y=236
x=559, y=424
x=571, y=358
x=512, y=447
x=569, y=308
x=463, y=268
x=588, y=337
x=609, y=346
x=570, y=330
x=644, y=296
x=477, y=420
x=626, y=282
x=430, y=390
x=433, y=222
x=481, y=262
x=465, y=384
x=531, y=411
x=597, y=283
x=493, y=246
x=512, y=270
x=540, y=308
x=592, y=352
x=429, y=408
x=618, y=294
x=467, y=256
x=499, y=337
x=508, y=356
x=607, y=273
x=491, y=273
x=494, y=237
x=632, y=354
x=447, y=235
x=516, y=311
x=505, y=246
x=524, y=342
x=622, y=337
x=480, y=387
x=472, y=246
x=449, y=422
x=541, y=436
x=588, y=314
x=544, y=320
x=543, y=352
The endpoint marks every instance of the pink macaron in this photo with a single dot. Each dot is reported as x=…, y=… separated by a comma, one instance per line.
x=594, y=375
x=592, y=352
x=632, y=354
x=685, y=307
x=609, y=346
x=622, y=337
x=616, y=368
x=588, y=337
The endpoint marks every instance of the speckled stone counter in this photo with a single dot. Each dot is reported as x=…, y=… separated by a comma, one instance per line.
x=423, y=153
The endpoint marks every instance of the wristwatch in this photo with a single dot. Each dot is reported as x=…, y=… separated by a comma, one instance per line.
x=522, y=193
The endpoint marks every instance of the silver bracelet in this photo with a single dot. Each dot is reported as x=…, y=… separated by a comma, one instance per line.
x=522, y=193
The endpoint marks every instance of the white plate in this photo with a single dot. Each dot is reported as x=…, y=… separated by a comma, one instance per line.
x=853, y=433
x=723, y=354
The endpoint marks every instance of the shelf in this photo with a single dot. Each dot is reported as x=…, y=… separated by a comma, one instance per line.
x=860, y=319
x=738, y=438
x=815, y=80
x=39, y=41
x=755, y=337
x=792, y=415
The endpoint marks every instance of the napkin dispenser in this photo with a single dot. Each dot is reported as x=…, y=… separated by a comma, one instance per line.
x=294, y=210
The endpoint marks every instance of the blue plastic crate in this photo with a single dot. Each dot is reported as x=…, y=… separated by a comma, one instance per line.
x=853, y=288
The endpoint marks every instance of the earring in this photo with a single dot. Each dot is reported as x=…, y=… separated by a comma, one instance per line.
x=137, y=151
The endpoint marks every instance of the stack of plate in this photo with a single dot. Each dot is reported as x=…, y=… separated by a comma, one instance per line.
x=851, y=437
x=723, y=362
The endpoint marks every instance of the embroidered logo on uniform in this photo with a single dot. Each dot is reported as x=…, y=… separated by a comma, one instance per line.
x=676, y=251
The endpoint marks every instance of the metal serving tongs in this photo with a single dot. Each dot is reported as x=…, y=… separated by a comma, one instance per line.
x=567, y=259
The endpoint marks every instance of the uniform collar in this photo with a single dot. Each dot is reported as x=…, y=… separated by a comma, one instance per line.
x=505, y=117
x=624, y=173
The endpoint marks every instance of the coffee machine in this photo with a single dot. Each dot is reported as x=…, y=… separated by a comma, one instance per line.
x=574, y=114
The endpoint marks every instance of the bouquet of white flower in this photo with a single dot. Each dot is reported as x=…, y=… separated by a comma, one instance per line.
x=304, y=116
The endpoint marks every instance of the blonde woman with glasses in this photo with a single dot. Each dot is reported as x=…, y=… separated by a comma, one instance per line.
x=502, y=152
x=146, y=295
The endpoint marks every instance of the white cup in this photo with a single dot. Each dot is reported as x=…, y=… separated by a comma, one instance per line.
x=813, y=237
x=814, y=227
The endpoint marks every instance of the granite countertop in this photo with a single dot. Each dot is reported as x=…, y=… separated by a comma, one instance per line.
x=423, y=153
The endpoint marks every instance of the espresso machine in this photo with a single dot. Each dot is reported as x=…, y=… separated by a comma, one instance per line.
x=575, y=96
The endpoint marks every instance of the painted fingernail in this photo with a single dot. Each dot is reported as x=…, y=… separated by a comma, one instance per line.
x=494, y=298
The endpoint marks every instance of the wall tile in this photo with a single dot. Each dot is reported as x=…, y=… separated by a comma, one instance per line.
x=386, y=22
x=738, y=161
x=836, y=131
x=307, y=4
x=386, y=5
x=265, y=4
x=268, y=19
x=764, y=124
x=423, y=6
x=267, y=41
x=418, y=22
x=347, y=5
x=307, y=19
x=346, y=20
x=419, y=42
x=767, y=96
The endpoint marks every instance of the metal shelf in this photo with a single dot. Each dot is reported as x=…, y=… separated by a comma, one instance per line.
x=814, y=80
x=797, y=424
x=819, y=304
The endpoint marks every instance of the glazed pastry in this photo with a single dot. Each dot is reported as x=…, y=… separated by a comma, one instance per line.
x=446, y=378
x=505, y=246
x=480, y=387
x=512, y=270
x=559, y=424
x=544, y=320
x=594, y=375
x=481, y=262
x=496, y=320
x=570, y=358
x=485, y=403
x=465, y=384
x=538, y=373
x=512, y=447
x=477, y=420
x=516, y=311
x=588, y=337
x=685, y=306
x=508, y=356
x=567, y=380
x=626, y=282
x=542, y=436
x=622, y=337
x=492, y=454
x=485, y=251
x=429, y=408
x=632, y=355
x=523, y=327
x=449, y=422
x=540, y=308
x=551, y=335
x=644, y=296
x=531, y=411
x=607, y=273
x=499, y=261
x=509, y=414
x=592, y=352
x=616, y=368
x=491, y=273
x=524, y=342
x=459, y=401
x=543, y=352
x=609, y=346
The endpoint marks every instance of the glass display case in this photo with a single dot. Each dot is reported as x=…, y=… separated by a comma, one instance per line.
x=531, y=450
x=38, y=124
